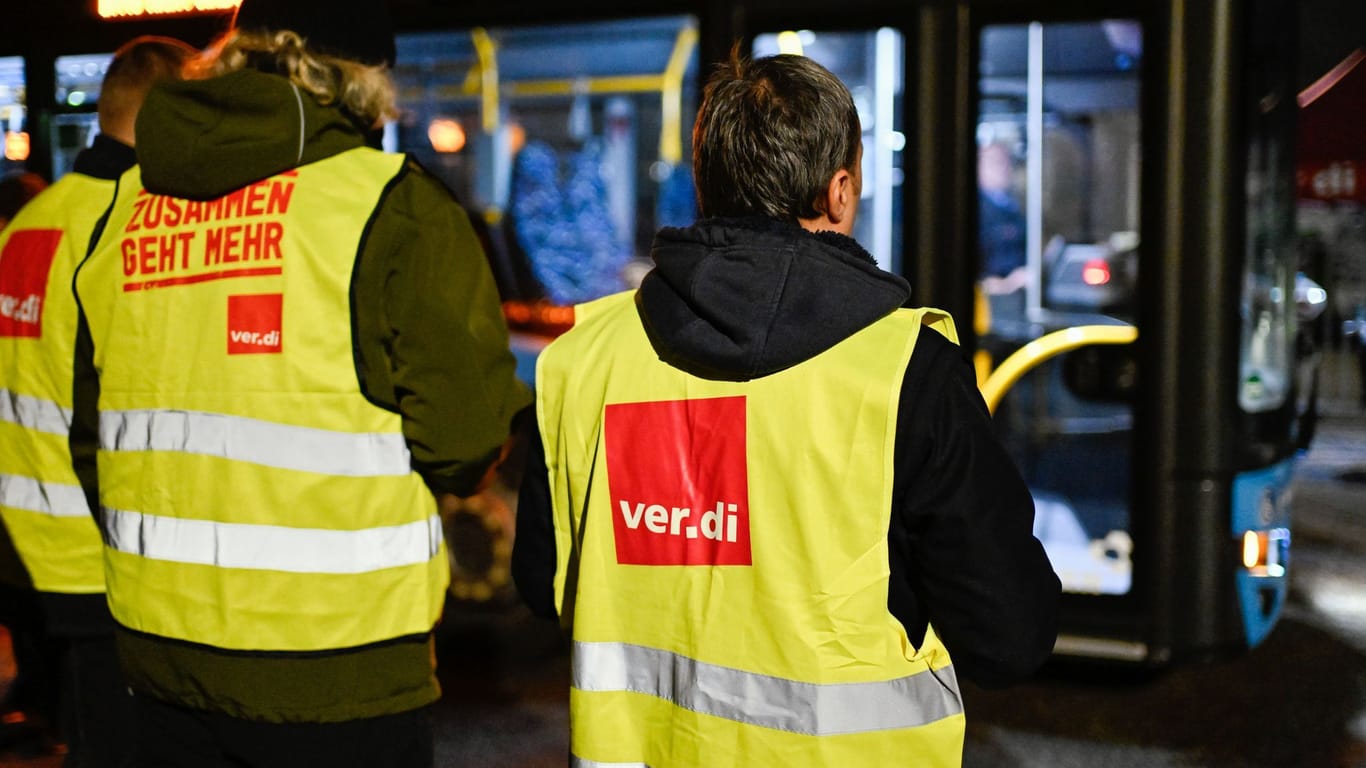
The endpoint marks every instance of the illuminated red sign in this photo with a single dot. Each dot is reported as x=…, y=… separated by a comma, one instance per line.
x=1341, y=180
x=124, y=9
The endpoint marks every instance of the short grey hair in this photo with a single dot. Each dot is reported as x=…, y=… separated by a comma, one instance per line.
x=770, y=134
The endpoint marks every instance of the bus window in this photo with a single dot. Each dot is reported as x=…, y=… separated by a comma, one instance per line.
x=1058, y=137
x=569, y=144
x=871, y=65
x=1268, y=327
x=1267, y=357
x=75, y=124
x=13, y=115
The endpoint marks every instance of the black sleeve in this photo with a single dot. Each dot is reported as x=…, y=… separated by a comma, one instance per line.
x=963, y=554
x=83, y=438
x=84, y=435
x=533, y=548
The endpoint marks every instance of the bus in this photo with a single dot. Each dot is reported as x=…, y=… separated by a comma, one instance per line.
x=1101, y=193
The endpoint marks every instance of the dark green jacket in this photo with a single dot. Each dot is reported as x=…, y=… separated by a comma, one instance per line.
x=429, y=343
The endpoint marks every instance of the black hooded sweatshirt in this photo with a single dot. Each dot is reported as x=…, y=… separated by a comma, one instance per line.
x=742, y=299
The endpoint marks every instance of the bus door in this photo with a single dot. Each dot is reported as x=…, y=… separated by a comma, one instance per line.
x=1058, y=151
x=1136, y=328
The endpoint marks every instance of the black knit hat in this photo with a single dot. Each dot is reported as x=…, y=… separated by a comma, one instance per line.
x=360, y=30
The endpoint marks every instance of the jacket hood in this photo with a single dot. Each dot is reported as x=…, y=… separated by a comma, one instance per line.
x=200, y=139
x=736, y=299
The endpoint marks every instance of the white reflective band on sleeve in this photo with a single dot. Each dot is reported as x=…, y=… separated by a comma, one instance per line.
x=272, y=547
x=34, y=413
x=771, y=702
x=578, y=762
x=283, y=446
x=33, y=495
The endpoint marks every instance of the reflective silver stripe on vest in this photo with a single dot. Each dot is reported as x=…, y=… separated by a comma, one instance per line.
x=772, y=702
x=34, y=495
x=283, y=446
x=272, y=547
x=34, y=413
x=578, y=762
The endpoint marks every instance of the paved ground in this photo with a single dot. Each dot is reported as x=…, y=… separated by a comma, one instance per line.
x=1330, y=494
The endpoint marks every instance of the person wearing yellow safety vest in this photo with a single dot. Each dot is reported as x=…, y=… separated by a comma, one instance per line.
x=293, y=353
x=48, y=541
x=773, y=512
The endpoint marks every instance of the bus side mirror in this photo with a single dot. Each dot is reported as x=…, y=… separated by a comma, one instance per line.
x=1101, y=372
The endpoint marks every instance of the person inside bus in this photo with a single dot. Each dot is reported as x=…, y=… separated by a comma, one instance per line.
x=50, y=549
x=1000, y=230
x=765, y=497
x=293, y=355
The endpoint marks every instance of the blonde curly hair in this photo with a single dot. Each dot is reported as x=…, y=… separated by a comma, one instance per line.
x=366, y=91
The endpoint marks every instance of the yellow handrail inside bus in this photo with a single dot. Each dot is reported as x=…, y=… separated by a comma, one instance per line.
x=981, y=324
x=574, y=86
x=671, y=96
x=483, y=81
x=487, y=51
x=1045, y=347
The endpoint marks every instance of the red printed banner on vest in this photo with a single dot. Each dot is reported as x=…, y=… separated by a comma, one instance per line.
x=170, y=242
x=678, y=482
x=24, y=267
x=254, y=323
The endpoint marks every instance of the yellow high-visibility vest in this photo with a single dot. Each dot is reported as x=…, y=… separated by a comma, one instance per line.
x=44, y=511
x=250, y=496
x=723, y=558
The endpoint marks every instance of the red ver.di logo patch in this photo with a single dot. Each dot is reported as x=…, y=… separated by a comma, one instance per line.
x=24, y=267
x=677, y=477
x=254, y=323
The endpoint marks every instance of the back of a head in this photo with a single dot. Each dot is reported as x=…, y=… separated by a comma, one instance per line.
x=136, y=67
x=339, y=51
x=994, y=167
x=769, y=136
x=354, y=30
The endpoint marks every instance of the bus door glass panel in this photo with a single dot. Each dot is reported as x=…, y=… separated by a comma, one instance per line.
x=75, y=123
x=14, y=128
x=1269, y=323
x=1058, y=139
x=871, y=64
x=568, y=144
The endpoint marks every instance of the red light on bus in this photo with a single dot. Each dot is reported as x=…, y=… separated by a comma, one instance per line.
x=16, y=146
x=1096, y=272
x=446, y=135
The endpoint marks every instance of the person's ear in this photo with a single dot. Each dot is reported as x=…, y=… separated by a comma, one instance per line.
x=835, y=205
x=839, y=196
